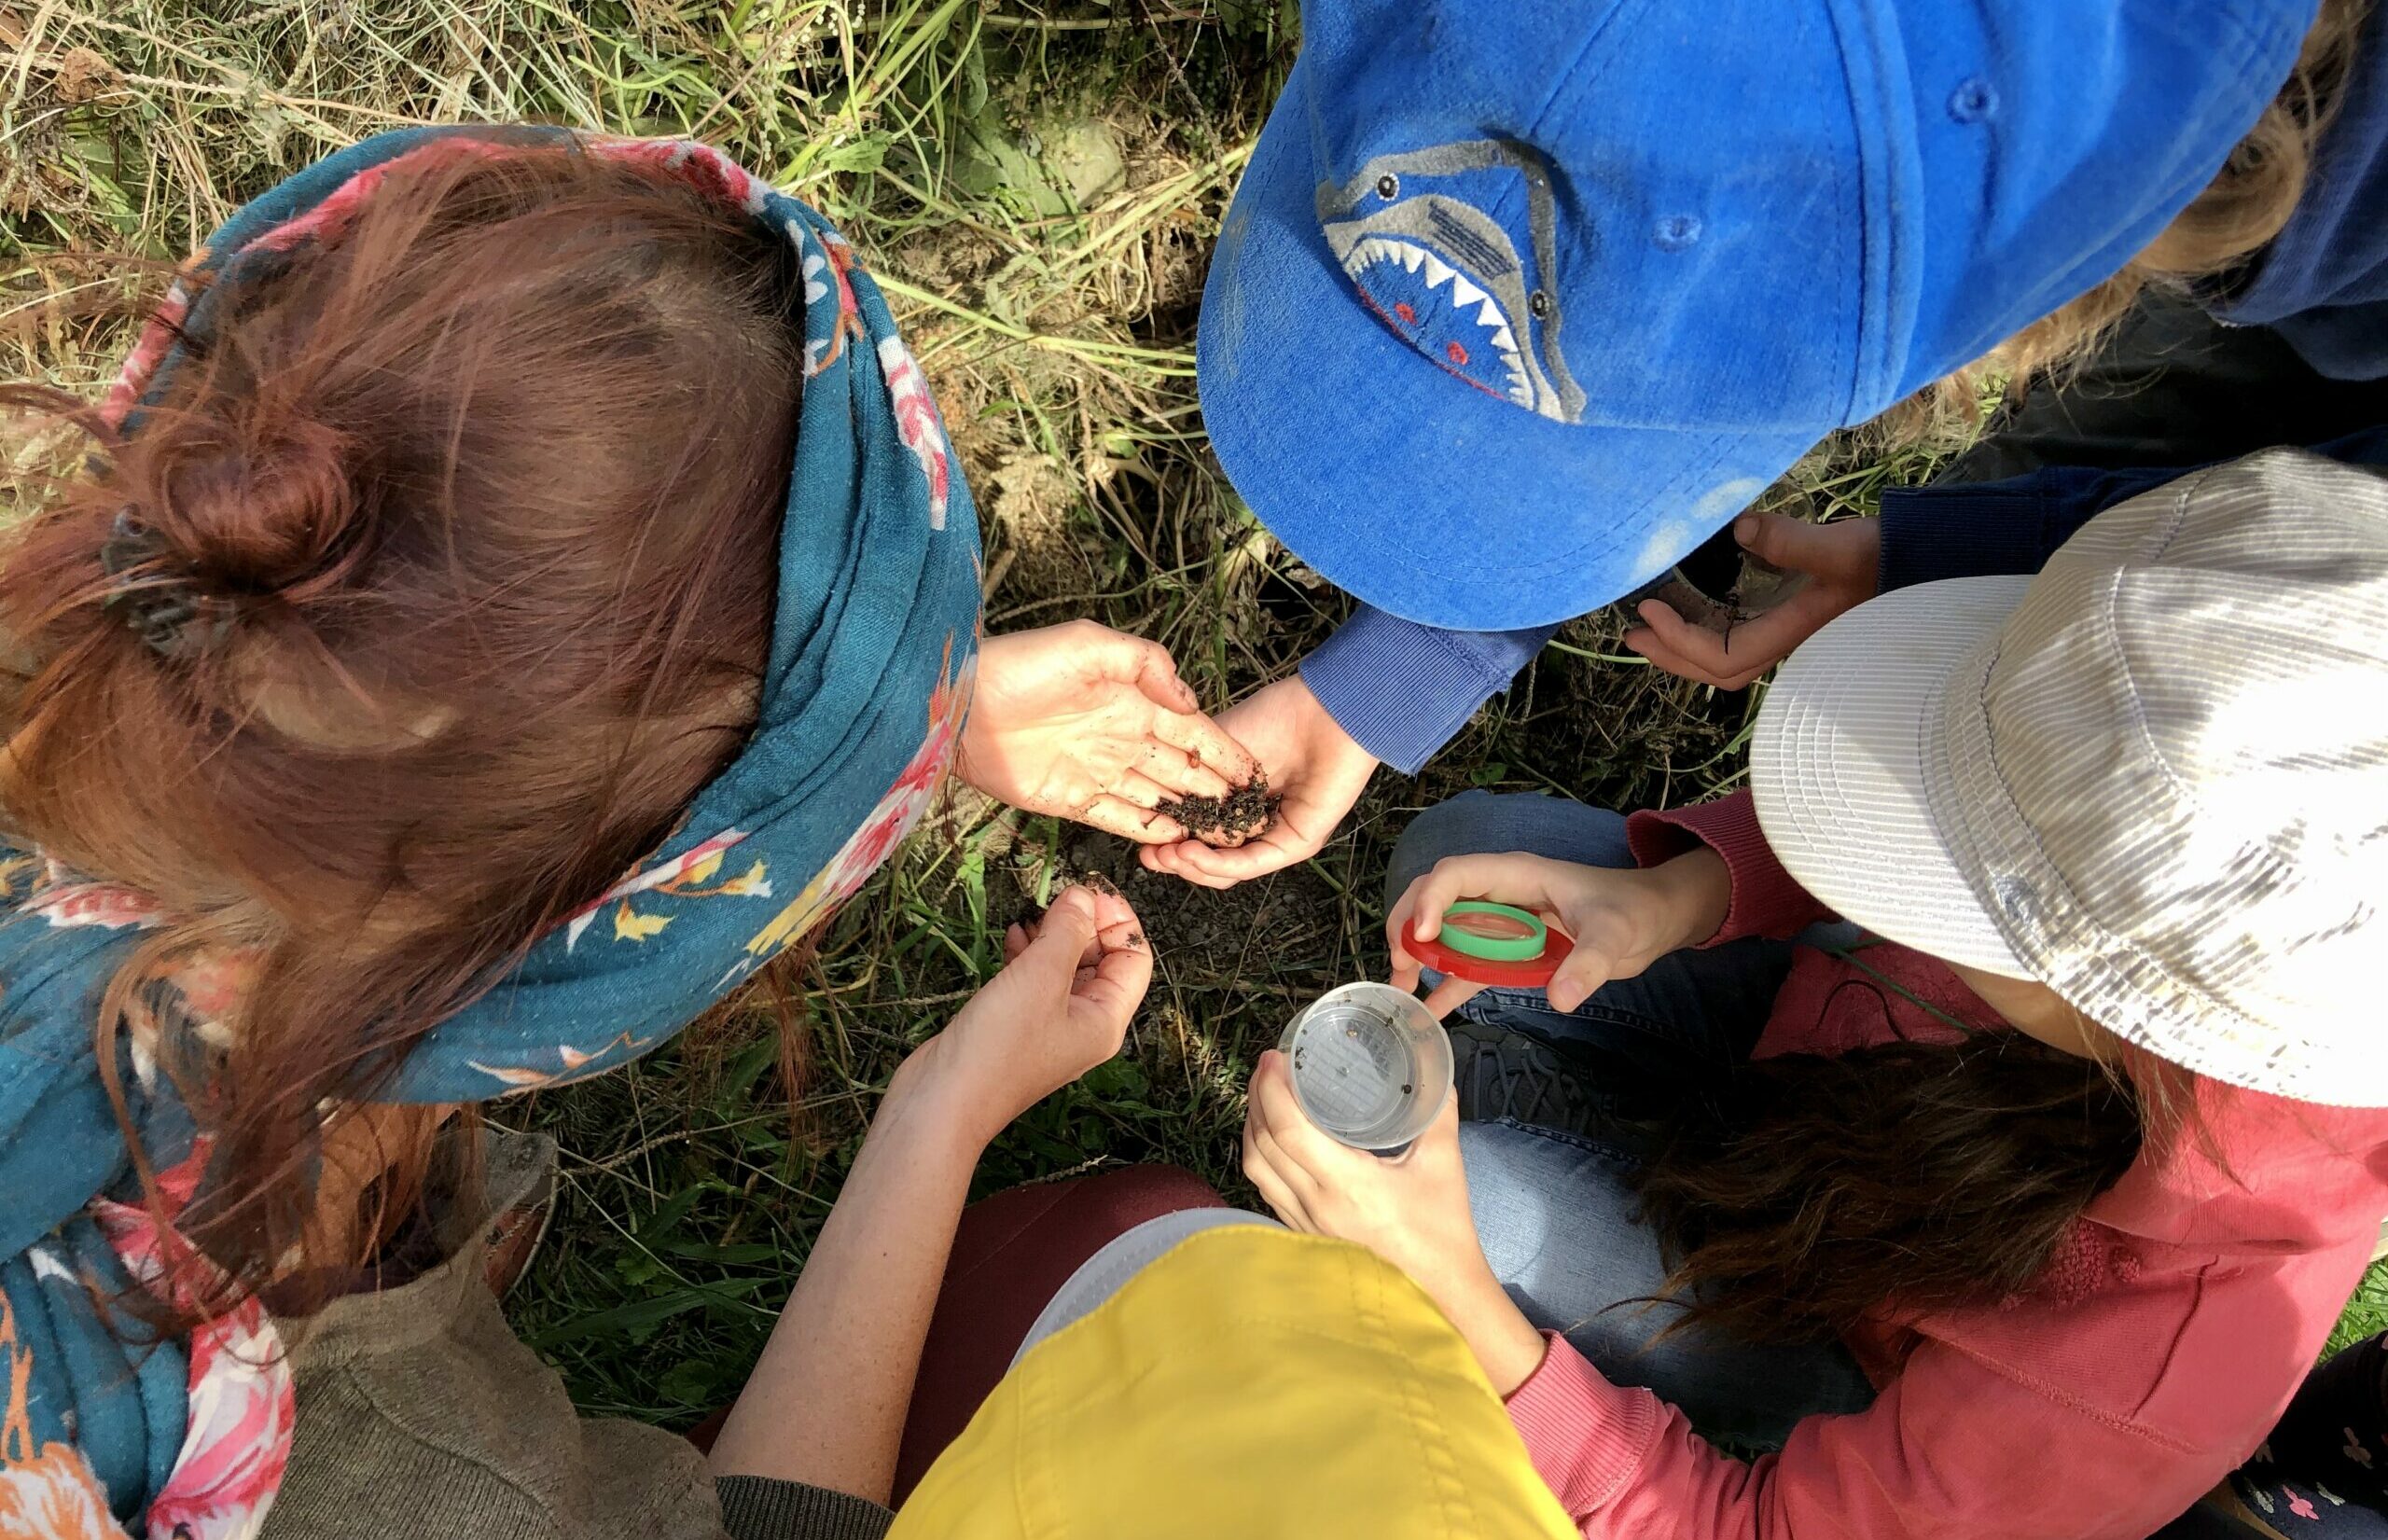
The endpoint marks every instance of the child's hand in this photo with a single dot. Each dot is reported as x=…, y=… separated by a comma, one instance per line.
x=1083, y=722
x=1313, y=763
x=1060, y=1007
x=1622, y=919
x=1412, y=1211
x=1840, y=562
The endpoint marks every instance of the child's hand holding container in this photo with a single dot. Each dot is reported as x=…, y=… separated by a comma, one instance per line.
x=1369, y=1064
x=1410, y=1208
x=1520, y=920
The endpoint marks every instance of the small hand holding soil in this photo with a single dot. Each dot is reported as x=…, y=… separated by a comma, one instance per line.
x=1227, y=821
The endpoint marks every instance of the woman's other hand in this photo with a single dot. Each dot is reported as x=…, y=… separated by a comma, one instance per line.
x=1839, y=559
x=1412, y=1211
x=1622, y=919
x=1313, y=764
x=1061, y=1006
x=827, y=1404
x=1083, y=722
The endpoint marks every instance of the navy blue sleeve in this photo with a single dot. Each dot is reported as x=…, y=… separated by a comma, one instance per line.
x=1981, y=529
x=1403, y=690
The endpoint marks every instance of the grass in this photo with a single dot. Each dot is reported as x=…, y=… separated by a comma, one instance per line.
x=1037, y=188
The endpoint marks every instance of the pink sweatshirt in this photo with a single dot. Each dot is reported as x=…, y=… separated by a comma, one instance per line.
x=2154, y=1354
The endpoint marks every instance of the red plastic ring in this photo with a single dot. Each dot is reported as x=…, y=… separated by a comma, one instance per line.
x=1530, y=974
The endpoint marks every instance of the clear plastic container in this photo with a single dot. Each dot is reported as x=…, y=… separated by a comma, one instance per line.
x=1370, y=1065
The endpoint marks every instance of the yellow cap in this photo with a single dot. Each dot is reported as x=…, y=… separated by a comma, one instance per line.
x=1251, y=1384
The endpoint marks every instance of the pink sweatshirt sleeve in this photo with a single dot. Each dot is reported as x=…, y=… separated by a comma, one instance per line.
x=1952, y=1450
x=1767, y=900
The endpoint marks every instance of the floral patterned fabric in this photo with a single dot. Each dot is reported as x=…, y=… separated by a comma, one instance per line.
x=104, y=1433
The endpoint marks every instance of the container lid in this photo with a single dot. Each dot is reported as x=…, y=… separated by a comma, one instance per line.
x=1494, y=944
x=1370, y=1065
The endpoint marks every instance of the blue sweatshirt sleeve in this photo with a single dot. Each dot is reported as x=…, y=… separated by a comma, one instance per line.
x=1982, y=529
x=1403, y=690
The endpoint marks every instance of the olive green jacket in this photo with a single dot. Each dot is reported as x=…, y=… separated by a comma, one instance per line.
x=421, y=1416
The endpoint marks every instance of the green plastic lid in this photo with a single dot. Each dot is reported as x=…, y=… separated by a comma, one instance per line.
x=1497, y=933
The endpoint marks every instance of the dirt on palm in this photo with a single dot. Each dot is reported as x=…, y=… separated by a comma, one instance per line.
x=1227, y=821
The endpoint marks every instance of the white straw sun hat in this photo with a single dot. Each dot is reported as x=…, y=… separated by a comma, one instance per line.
x=2155, y=777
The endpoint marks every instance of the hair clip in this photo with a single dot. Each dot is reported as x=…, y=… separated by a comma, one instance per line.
x=160, y=605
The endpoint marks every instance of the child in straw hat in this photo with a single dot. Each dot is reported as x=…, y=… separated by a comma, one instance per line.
x=2024, y=1214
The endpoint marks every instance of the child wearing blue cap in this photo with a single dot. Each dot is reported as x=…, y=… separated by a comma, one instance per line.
x=1517, y=305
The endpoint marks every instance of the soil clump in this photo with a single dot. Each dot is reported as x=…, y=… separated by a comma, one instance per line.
x=1227, y=821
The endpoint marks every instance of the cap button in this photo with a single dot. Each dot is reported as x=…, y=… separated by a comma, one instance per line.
x=1974, y=101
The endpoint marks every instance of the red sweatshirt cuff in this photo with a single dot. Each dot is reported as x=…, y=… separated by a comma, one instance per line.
x=1586, y=1435
x=1767, y=900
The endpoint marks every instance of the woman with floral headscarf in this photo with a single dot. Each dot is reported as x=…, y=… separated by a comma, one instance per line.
x=520, y=588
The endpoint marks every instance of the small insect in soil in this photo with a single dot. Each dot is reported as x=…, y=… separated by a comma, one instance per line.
x=1101, y=883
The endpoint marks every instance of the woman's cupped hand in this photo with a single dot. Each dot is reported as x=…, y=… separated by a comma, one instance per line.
x=1084, y=722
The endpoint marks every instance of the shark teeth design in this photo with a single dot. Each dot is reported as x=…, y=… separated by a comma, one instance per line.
x=1375, y=250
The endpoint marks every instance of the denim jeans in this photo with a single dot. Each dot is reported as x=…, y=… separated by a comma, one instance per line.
x=1557, y=1213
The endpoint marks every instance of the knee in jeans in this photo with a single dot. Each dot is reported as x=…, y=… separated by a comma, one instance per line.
x=1437, y=831
x=1475, y=823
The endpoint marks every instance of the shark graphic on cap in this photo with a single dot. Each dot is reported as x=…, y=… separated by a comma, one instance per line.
x=1423, y=240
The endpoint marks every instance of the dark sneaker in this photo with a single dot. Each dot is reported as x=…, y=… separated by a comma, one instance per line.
x=1503, y=1074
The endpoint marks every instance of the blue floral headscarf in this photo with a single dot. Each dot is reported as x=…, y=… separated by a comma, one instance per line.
x=869, y=672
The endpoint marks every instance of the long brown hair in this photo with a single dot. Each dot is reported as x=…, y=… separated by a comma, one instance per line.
x=2220, y=231
x=483, y=491
x=1806, y=1191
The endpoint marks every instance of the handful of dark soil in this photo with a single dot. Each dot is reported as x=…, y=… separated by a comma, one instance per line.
x=1227, y=821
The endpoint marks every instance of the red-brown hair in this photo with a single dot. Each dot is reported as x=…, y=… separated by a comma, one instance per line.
x=485, y=488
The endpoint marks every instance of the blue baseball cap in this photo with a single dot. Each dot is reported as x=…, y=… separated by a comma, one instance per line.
x=1519, y=299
